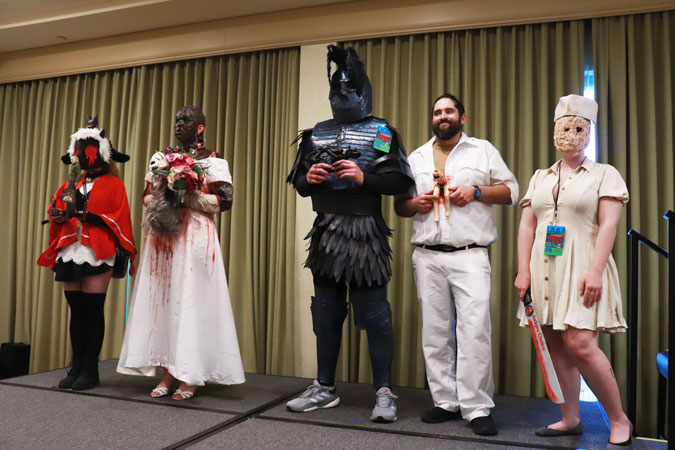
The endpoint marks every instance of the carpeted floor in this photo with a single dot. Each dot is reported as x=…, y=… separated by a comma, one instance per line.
x=119, y=413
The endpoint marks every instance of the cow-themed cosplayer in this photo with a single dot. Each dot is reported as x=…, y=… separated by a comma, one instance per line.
x=346, y=164
x=180, y=316
x=90, y=241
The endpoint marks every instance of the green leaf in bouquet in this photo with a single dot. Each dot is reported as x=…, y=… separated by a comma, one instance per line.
x=180, y=194
x=180, y=185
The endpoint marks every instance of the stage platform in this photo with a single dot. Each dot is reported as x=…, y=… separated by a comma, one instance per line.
x=120, y=414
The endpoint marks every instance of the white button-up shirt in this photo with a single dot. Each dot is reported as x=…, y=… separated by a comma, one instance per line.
x=472, y=162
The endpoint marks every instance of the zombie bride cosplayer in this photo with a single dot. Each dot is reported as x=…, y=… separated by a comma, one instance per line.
x=346, y=164
x=89, y=226
x=565, y=239
x=180, y=317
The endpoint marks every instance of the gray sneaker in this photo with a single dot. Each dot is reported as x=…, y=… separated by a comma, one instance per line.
x=385, y=408
x=316, y=396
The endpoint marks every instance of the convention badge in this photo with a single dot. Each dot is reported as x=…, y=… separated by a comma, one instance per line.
x=383, y=139
x=555, y=239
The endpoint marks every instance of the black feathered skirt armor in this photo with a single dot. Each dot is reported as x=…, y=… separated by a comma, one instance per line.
x=350, y=249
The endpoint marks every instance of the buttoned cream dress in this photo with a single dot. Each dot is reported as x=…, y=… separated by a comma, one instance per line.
x=556, y=280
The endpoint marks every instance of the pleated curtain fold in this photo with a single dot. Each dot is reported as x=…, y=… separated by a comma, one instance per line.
x=250, y=104
x=634, y=87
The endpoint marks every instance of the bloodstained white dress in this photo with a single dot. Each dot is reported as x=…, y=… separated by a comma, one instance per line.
x=180, y=316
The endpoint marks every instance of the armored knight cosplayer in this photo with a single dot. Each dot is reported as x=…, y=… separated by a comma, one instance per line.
x=180, y=316
x=90, y=241
x=346, y=164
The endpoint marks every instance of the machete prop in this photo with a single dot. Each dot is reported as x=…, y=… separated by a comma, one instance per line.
x=550, y=378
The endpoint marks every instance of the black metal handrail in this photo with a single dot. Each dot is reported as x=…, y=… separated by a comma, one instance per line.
x=634, y=240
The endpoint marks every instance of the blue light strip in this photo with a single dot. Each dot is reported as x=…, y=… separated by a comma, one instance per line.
x=126, y=298
x=589, y=92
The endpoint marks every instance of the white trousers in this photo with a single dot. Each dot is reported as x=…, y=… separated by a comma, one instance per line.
x=454, y=294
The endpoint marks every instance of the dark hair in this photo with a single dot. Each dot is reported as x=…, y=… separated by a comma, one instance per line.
x=455, y=100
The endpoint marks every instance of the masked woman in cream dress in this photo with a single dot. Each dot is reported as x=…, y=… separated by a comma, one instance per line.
x=576, y=293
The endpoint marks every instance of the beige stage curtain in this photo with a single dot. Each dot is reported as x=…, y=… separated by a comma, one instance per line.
x=250, y=103
x=633, y=61
x=509, y=80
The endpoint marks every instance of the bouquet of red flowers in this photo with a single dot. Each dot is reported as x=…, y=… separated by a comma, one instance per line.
x=175, y=174
x=182, y=174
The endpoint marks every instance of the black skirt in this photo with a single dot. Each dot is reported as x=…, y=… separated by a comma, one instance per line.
x=70, y=271
x=349, y=249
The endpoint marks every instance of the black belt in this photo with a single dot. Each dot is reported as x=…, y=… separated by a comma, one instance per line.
x=449, y=248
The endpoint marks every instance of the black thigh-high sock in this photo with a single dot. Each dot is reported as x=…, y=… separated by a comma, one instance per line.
x=95, y=329
x=77, y=326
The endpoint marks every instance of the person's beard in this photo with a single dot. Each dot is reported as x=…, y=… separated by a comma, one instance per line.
x=446, y=133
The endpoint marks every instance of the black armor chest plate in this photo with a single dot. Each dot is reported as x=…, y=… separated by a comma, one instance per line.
x=332, y=141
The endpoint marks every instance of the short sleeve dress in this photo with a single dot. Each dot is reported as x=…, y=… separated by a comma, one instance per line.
x=180, y=316
x=556, y=280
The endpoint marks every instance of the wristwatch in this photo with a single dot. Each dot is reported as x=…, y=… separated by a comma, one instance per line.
x=476, y=192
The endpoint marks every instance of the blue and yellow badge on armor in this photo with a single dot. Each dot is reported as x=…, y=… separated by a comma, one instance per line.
x=555, y=239
x=383, y=139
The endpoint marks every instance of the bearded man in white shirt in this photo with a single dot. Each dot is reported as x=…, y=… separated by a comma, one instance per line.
x=452, y=267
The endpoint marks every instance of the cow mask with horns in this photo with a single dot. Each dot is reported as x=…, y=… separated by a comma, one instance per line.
x=92, y=149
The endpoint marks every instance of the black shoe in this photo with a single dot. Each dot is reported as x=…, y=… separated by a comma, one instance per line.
x=67, y=382
x=622, y=445
x=85, y=381
x=549, y=432
x=484, y=426
x=88, y=377
x=438, y=415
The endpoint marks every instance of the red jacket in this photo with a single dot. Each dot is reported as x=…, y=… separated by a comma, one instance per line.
x=108, y=200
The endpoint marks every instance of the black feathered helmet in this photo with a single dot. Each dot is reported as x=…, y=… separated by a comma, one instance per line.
x=351, y=97
x=92, y=148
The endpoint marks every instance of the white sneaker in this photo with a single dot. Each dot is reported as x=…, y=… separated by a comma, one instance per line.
x=316, y=396
x=385, y=408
